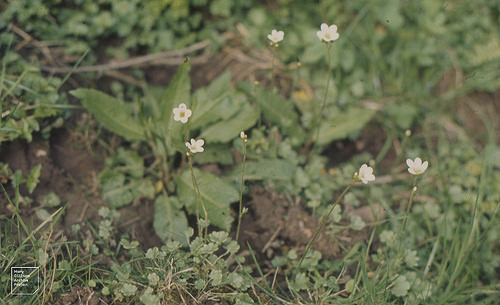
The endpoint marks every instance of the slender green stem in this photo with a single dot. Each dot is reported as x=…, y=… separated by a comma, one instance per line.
x=319, y=112
x=240, y=213
x=323, y=222
x=328, y=76
x=273, y=75
x=161, y=158
x=296, y=76
x=413, y=191
x=198, y=197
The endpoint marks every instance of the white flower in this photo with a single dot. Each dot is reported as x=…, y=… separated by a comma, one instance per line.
x=276, y=36
x=416, y=167
x=182, y=113
x=328, y=33
x=195, y=146
x=365, y=174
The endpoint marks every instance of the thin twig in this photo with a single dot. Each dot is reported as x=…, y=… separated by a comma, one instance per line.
x=165, y=58
x=272, y=238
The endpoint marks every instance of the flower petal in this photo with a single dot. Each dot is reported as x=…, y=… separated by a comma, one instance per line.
x=424, y=166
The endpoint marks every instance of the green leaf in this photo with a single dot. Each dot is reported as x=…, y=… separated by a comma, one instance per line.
x=143, y=188
x=215, y=193
x=275, y=169
x=343, y=124
x=129, y=245
x=402, y=114
x=219, y=86
x=216, y=153
x=123, y=179
x=42, y=214
x=114, y=190
x=51, y=200
x=221, y=7
x=170, y=221
x=400, y=286
x=33, y=178
x=235, y=280
x=300, y=282
x=210, y=110
x=225, y=131
x=279, y=111
x=111, y=113
x=178, y=92
x=128, y=289
x=128, y=161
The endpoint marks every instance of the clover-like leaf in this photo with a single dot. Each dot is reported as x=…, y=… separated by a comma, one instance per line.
x=400, y=286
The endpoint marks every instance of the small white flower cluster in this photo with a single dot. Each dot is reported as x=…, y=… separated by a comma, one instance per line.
x=182, y=114
x=327, y=34
x=415, y=167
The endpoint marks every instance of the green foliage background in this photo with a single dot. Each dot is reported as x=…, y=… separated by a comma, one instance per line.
x=387, y=70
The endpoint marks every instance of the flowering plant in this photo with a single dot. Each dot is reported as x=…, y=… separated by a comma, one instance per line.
x=195, y=146
x=328, y=33
x=181, y=113
x=416, y=167
x=276, y=36
x=365, y=174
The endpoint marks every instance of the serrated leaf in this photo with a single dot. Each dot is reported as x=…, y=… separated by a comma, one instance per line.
x=342, y=125
x=114, y=190
x=128, y=161
x=400, y=286
x=216, y=194
x=110, y=113
x=226, y=130
x=170, y=221
x=275, y=169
